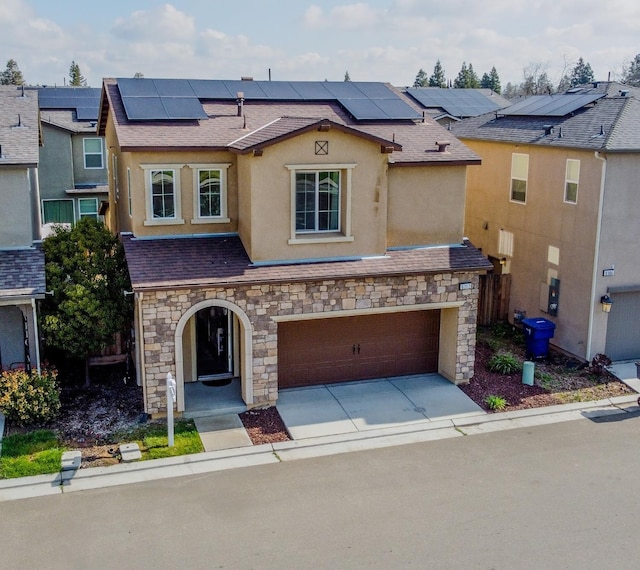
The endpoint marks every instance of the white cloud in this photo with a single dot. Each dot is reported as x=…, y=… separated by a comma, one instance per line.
x=160, y=24
x=357, y=16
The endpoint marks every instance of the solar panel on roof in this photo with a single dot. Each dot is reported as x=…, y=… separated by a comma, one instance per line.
x=183, y=108
x=280, y=91
x=144, y=108
x=250, y=89
x=210, y=89
x=343, y=90
x=456, y=102
x=312, y=90
x=173, y=88
x=363, y=109
x=397, y=109
x=87, y=113
x=551, y=105
x=375, y=90
x=138, y=87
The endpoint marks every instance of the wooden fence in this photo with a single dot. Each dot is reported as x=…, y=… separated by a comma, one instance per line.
x=493, y=305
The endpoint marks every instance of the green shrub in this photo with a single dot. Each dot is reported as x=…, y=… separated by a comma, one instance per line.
x=29, y=398
x=495, y=402
x=504, y=363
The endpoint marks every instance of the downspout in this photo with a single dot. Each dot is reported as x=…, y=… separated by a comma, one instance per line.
x=596, y=254
x=36, y=334
x=140, y=351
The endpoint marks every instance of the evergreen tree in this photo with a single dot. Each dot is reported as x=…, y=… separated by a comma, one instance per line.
x=12, y=74
x=467, y=78
x=631, y=74
x=437, y=78
x=581, y=74
x=421, y=79
x=494, y=81
x=347, y=77
x=75, y=77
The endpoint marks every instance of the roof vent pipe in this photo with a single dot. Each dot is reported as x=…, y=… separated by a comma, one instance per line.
x=442, y=146
x=601, y=130
x=559, y=132
x=624, y=92
x=548, y=129
x=240, y=102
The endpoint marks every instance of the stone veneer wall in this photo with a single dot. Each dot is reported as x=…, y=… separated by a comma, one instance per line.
x=162, y=310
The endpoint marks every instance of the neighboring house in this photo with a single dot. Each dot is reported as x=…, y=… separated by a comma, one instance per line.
x=73, y=169
x=288, y=234
x=22, y=278
x=447, y=106
x=555, y=204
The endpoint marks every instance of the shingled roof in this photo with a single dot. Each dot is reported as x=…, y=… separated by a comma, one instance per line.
x=19, y=126
x=416, y=141
x=22, y=273
x=612, y=123
x=222, y=260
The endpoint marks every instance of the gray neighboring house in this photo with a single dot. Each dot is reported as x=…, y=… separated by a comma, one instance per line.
x=22, y=277
x=73, y=169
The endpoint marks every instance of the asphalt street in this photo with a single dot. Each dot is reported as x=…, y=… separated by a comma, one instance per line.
x=555, y=496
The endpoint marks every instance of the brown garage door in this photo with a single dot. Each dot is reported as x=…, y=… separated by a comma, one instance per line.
x=323, y=351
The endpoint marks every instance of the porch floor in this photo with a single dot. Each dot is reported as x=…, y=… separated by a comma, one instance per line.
x=201, y=400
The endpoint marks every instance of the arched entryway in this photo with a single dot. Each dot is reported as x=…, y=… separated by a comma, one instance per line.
x=213, y=341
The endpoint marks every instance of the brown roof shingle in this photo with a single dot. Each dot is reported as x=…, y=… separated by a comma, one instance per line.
x=222, y=260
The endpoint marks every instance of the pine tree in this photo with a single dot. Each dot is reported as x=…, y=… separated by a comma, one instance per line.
x=437, y=78
x=421, y=79
x=347, y=77
x=631, y=75
x=581, y=74
x=75, y=77
x=472, y=78
x=467, y=78
x=12, y=74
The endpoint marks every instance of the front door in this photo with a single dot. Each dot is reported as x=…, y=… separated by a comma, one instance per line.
x=213, y=334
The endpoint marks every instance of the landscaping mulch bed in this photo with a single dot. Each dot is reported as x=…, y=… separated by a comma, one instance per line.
x=264, y=426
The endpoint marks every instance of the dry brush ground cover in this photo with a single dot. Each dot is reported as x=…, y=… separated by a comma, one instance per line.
x=93, y=418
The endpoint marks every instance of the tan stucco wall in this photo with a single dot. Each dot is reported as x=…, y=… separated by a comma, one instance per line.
x=545, y=220
x=270, y=208
x=426, y=205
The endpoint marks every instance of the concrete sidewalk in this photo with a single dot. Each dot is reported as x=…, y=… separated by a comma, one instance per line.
x=207, y=462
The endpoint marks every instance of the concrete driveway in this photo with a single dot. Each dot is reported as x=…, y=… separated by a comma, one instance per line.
x=368, y=405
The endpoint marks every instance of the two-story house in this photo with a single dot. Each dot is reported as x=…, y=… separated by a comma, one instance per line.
x=555, y=204
x=288, y=234
x=72, y=169
x=22, y=277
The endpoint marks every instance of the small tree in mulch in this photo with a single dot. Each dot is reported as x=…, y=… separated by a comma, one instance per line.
x=87, y=273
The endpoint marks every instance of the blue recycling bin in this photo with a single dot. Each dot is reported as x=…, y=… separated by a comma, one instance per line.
x=537, y=332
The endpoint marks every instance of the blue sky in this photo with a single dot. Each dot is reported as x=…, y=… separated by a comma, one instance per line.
x=375, y=40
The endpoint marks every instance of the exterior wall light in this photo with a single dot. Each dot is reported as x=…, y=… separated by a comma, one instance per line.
x=606, y=303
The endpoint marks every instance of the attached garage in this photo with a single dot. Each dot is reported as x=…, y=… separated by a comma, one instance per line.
x=623, y=327
x=327, y=350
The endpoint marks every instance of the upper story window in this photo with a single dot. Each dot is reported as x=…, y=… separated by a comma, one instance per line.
x=57, y=212
x=162, y=189
x=210, y=193
x=320, y=203
x=92, y=149
x=572, y=177
x=519, y=174
x=88, y=208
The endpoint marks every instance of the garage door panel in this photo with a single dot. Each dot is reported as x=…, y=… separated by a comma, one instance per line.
x=356, y=348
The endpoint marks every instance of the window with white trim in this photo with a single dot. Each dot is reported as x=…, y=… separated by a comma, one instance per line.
x=321, y=202
x=57, y=212
x=162, y=190
x=519, y=175
x=88, y=208
x=92, y=149
x=210, y=193
x=318, y=201
x=572, y=178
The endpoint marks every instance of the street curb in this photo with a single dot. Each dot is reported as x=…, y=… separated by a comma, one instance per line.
x=207, y=462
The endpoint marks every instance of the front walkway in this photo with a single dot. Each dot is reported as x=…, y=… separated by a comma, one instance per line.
x=368, y=405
